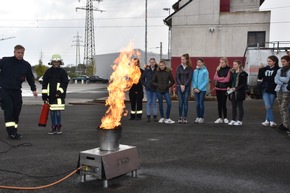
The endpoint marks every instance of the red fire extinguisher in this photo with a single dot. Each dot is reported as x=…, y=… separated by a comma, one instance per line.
x=43, y=115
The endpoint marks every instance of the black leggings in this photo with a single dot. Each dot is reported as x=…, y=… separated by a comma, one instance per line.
x=237, y=104
x=222, y=103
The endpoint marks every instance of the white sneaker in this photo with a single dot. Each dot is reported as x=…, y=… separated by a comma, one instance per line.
x=232, y=122
x=266, y=123
x=238, y=123
x=226, y=121
x=169, y=121
x=219, y=120
x=162, y=120
x=201, y=120
x=196, y=120
x=273, y=124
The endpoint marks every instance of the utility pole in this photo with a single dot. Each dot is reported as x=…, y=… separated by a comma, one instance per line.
x=146, y=5
x=77, y=45
x=89, y=50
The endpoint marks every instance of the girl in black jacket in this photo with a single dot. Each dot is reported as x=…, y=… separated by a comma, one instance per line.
x=238, y=92
x=183, y=79
x=54, y=85
x=267, y=75
x=163, y=80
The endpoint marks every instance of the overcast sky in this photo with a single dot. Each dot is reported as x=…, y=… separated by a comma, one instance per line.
x=49, y=27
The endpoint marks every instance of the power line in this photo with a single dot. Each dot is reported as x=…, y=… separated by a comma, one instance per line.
x=75, y=19
x=77, y=27
x=134, y=26
x=132, y=17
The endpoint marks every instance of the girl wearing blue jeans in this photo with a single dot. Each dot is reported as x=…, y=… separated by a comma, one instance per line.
x=267, y=75
x=183, y=79
x=199, y=86
x=151, y=93
x=54, y=85
x=163, y=80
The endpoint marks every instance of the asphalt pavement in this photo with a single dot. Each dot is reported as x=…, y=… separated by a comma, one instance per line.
x=198, y=158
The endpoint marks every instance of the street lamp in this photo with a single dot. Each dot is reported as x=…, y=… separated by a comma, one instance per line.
x=169, y=33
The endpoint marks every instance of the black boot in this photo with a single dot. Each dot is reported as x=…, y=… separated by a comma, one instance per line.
x=132, y=117
x=282, y=128
x=155, y=118
x=148, y=118
x=12, y=133
x=139, y=117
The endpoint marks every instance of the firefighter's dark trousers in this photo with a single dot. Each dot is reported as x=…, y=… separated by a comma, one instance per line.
x=136, y=101
x=11, y=100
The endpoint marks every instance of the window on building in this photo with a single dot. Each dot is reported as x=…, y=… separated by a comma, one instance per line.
x=225, y=5
x=256, y=37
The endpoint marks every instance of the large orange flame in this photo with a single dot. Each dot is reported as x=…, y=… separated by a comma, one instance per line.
x=125, y=74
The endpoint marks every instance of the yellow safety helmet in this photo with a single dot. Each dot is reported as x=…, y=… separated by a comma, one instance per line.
x=56, y=57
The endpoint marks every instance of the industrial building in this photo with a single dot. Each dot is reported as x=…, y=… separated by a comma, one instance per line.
x=216, y=28
x=104, y=62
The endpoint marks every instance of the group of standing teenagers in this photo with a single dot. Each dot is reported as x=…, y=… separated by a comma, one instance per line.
x=230, y=84
x=158, y=79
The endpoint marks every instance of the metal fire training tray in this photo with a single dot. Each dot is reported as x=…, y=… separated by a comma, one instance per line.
x=106, y=165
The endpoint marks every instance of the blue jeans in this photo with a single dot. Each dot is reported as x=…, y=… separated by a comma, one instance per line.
x=160, y=101
x=269, y=100
x=183, y=100
x=55, y=118
x=151, y=102
x=199, y=102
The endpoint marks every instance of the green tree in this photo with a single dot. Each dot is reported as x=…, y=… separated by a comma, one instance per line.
x=71, y=71
x=81, y=69
x=90, y=70
x=40, y=69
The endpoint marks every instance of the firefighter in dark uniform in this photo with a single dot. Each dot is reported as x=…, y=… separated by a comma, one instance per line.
x=136, y=95
x=54, y=85
x=14, y=71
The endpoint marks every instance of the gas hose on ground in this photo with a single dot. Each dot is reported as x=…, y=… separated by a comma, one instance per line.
x=41, y=187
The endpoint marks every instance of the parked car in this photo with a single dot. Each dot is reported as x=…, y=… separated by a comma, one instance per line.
x=40, y=80
x=95, y=79
x=80, y=78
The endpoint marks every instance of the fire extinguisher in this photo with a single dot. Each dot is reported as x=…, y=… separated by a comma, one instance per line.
x=43, y=115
